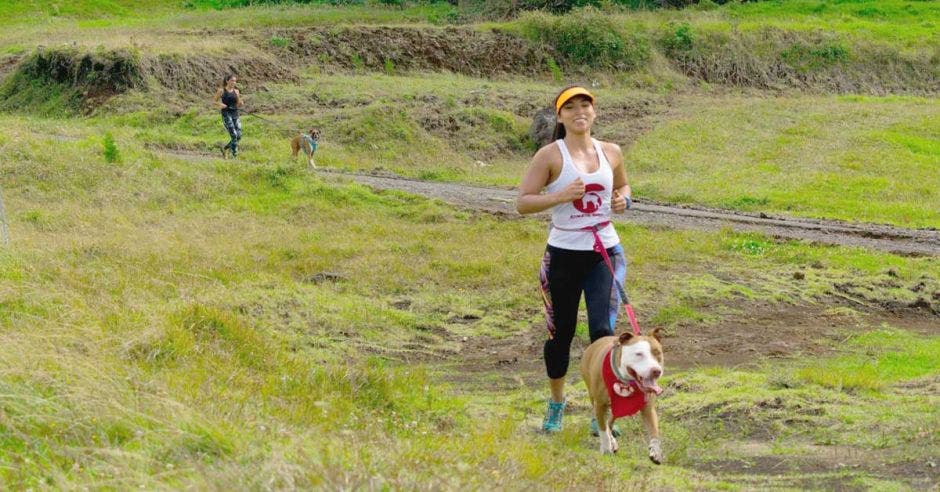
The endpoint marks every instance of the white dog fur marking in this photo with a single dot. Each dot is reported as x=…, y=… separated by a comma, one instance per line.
x=639, y=357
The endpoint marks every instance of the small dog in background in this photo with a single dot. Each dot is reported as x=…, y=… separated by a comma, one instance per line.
x=308, y=142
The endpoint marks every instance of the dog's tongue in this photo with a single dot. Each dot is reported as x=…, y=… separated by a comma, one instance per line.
x=650, y=386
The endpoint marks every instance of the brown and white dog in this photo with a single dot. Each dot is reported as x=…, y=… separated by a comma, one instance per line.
x=308, y=142
x=633, y=364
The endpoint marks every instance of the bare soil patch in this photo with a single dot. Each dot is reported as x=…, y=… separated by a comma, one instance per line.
x=203, y=73
x=811, y=468
x=765, y=331
x=386, y=48
x=8, y=64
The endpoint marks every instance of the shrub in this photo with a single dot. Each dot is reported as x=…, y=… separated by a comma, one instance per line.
x=110, y=150
x=587, y=37
x=678, y=38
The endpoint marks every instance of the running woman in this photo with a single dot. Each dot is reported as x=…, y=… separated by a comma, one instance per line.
x=584, y=182
x=228, y=99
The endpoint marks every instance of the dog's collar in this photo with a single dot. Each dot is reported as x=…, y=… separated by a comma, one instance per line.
x=616, y=370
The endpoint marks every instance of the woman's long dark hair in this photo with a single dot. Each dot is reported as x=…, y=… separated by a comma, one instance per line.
x=226, y=79
x=559, y=128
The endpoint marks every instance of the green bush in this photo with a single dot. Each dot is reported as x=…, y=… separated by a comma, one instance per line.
x=110, y=150
x=587, y=37
x=678, y=38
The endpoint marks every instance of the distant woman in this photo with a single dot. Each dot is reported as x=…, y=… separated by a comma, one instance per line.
x=228, y=99
x=584, y=181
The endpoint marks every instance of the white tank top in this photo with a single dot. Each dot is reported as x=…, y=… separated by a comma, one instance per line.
x=592, y=209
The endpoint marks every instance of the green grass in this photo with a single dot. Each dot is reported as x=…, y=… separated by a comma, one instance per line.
x=122, y=13
x=858, y=159
x=166, y=318
x=885, y=357
x=895, y=21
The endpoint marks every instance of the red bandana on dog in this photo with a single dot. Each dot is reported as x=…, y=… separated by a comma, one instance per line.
x=625, y=399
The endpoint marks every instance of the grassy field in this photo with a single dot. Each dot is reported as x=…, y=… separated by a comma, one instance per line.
x=852, y=158
x=169, y=319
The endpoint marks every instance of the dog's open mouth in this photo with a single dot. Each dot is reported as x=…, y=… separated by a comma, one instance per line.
x=647, y=384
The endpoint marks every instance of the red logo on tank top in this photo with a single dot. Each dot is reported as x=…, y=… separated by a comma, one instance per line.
x=591, y=201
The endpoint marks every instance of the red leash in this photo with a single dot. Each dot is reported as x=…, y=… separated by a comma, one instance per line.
x=599, y=247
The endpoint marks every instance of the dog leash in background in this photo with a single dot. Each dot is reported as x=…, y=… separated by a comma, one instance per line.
x=599, y=247
x=271, y=122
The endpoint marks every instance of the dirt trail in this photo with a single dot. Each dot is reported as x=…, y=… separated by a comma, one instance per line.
x=916, y=242
x=912, y=242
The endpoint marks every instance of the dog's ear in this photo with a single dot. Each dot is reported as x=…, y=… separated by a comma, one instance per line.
x=657, y=334
x=625, y=337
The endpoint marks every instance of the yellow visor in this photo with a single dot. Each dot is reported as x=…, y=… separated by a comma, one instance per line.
x=568, y=94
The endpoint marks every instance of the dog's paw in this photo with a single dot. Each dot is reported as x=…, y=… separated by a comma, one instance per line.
x=656, y=451
x=608, y=446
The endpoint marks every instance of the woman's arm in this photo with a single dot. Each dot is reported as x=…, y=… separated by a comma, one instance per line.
x=238, y=98
x=531, y=199
x=218, y=99
x=622, y=192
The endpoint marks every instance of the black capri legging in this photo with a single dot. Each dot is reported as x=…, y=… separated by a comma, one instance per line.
x=565, y=274
x=234, y=128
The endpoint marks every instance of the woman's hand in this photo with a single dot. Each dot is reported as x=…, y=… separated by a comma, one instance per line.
x=620, y=203
x=574, y=191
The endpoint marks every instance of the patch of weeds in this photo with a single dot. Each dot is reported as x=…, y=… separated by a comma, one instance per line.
x=678, y=313
x=556, y=72
x=678, y=38
x=37, y=219
x=884, y=357
x=279, y=42
x=805, y=58
x=109, y=149
x=748, y=245
x=389, y=67
x=358, y=63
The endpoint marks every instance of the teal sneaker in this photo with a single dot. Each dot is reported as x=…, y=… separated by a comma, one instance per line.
x=552, y=422
x=595, y=430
